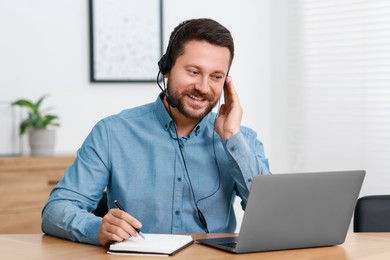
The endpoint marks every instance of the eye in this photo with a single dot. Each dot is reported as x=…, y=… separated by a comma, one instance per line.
x=193, y=72
x=217, y=77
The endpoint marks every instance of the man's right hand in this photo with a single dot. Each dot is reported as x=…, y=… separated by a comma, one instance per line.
x=118, y=225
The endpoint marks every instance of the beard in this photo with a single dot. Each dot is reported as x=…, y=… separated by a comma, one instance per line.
x=193, y=112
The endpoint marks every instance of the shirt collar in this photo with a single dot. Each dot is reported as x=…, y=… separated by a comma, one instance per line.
x=162, y=113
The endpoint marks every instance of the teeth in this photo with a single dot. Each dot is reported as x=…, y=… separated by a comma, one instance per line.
x=196, y=98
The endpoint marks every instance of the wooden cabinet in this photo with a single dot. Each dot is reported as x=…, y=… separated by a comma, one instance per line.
x=25, y=185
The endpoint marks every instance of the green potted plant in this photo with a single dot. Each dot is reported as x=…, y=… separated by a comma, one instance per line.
x=38, y=125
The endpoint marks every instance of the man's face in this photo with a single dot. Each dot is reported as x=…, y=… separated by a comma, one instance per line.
x=196, y=80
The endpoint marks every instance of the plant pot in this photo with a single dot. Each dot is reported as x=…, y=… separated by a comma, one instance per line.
x=42, y=142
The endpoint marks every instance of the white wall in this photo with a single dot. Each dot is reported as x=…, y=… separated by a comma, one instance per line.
x=44, y=48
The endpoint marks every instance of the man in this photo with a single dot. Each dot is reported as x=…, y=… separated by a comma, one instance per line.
x=174, y=165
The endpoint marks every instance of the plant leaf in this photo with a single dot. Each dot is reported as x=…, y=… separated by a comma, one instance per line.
x=24, y=103
x=38, y=104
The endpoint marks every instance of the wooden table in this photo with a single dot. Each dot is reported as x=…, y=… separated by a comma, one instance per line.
x=38, y=246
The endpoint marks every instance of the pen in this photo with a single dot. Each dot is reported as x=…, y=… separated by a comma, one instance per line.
x=121, y=208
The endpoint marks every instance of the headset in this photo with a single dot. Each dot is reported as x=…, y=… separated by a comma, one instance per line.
x=164, y=65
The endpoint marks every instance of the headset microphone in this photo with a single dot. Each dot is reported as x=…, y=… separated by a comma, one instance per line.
x=171, y=101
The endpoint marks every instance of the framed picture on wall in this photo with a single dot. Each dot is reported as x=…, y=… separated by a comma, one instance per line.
x=125, y=40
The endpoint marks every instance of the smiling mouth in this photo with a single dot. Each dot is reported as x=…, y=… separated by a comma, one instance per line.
x=196, y=98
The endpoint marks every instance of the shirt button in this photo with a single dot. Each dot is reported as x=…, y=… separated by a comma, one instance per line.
x=249, y=179
x=179, y=179
x=177, y=212
x=232, y=149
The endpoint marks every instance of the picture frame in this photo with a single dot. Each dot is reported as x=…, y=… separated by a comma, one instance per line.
x=125, y=40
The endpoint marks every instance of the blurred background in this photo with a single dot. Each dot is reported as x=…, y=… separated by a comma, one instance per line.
x=313, y=77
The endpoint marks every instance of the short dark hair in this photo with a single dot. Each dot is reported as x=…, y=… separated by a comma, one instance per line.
x=202, y=29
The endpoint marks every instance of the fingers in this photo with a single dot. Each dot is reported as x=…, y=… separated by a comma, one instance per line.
x=118, y=225
x=122, y=224
x=230, y=94
x=227, y=90
x=230, y=113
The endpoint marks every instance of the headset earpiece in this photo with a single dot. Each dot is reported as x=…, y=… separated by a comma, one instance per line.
x=164, y=64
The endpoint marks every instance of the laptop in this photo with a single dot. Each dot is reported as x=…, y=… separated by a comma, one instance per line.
x=295, y=210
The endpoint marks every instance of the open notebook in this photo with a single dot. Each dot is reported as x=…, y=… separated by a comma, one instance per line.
x=153, y=244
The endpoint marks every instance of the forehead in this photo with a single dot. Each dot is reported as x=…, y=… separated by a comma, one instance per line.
x=205, y=55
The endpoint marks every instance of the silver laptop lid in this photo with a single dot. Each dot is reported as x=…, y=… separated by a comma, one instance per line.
x=299, y=210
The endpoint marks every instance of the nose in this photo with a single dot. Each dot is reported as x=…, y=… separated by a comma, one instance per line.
x=202, y=85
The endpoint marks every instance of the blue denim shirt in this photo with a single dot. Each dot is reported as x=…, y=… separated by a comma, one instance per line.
x=136, y=156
